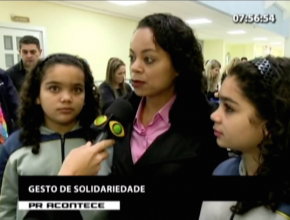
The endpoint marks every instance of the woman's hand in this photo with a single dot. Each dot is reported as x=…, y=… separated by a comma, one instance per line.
x=85, y=160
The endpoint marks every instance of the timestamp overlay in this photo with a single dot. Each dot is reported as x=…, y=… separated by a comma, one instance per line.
x=254, y=18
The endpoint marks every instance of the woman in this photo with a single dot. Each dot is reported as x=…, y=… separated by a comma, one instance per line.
x=212, y=75
x=170, y=132
x=255, y=102
x=115, y=85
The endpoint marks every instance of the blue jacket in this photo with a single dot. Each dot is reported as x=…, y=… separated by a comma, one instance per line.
x=18, y=160
x=9, y=100
x=231, y=167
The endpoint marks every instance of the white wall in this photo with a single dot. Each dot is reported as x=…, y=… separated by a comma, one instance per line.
x=93, y=36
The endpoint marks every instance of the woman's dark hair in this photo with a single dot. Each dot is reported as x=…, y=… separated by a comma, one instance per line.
x=175, y=37
x=178, y=40
x=31, y=115
x=266, y=84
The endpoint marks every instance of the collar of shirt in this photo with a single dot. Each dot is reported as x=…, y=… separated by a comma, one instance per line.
x=163, y=113
x=242, y=168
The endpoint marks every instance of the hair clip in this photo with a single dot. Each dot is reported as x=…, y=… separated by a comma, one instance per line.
x=265, y=69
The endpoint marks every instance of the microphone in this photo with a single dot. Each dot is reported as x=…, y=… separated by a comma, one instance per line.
x=112, y=123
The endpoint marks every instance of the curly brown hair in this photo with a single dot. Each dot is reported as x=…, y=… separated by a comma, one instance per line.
x=31, y=115
x=272, y=103
x=176, y=38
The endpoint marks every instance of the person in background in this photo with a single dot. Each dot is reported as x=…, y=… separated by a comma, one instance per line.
x=170, y=131
x=233, y=63
x=114, y=85
x=30, y=52
x=253, y=118
x=9, y=101
x=244, y=59
x=59, y=102
x=212, y=76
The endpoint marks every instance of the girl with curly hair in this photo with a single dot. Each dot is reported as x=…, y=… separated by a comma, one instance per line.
x=59, y=101
x=253, y=118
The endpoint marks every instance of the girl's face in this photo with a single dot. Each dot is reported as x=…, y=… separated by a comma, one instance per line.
x=151, y=67
x=236, y=125
x=62, y=96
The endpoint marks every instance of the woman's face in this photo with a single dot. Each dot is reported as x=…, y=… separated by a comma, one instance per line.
x=151, y=67
x=216, y=71
x=120, y=75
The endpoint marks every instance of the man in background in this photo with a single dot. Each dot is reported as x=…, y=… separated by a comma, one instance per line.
x=30, y=52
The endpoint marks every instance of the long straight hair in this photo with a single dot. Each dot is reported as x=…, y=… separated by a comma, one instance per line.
x=113, y=64
x=212, y=81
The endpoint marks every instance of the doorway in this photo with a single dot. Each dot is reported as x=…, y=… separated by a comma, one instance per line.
x=10, y=34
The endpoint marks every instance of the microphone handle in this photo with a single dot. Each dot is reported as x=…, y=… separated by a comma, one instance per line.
x=102, y=136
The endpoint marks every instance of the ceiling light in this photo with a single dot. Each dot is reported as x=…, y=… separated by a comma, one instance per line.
x=237, y=32
x=198, y=21
x=260, y=38
x=276, y=43
x=127, y=2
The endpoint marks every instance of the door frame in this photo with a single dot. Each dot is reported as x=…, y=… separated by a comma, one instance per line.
x=27, y=27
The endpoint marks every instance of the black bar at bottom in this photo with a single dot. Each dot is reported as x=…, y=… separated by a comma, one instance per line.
x=39, y=188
